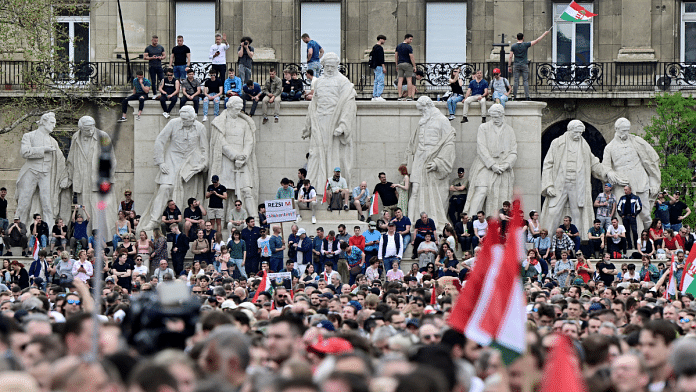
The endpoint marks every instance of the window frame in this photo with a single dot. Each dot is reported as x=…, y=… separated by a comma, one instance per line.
x=684, y=17
x=557, y=20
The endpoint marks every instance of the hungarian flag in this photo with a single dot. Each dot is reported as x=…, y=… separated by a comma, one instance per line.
x=671, y=288
x=326, y=189
x=264, y=286
x=576, y=13
x=374, y=207
x=562, y=368
x=491, y=311
x=688, y=283
x=35, y=251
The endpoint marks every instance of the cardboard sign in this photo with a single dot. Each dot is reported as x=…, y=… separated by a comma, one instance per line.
x=280, y=211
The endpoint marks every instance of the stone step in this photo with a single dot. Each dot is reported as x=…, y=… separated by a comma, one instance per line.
x=324, y=215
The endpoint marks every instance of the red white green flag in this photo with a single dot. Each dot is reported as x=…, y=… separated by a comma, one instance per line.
x=576, y=13
x=374, y=207
x=491, y=307
x=688, y=283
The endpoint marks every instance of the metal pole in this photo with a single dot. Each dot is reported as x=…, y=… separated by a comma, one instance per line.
x=125, y=45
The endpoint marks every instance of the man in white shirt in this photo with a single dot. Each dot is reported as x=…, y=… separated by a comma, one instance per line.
x=217, y=55
x=338, y=188
x=391, y=246
x=162, y=270
x=480, y=229
x=617, y=233
x=329, y=272
x=307, y=199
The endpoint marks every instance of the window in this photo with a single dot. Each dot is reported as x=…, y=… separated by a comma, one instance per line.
x=445, y=35
x=572, y=41
x=195, y=21
x=688, y=32
x=72, y=33
x=322, y=21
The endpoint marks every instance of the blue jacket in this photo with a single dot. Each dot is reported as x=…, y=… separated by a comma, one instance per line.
x=306, y=248
x=636, y=205
x=35, y=268
x=237, y=85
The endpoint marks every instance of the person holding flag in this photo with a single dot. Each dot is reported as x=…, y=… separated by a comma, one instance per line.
x=687, y=284
x=518, y=55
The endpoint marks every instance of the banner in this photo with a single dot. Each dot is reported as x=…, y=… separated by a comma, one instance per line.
x=280, y=211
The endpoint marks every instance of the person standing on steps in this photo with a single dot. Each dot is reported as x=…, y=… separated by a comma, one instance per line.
x=377, y=65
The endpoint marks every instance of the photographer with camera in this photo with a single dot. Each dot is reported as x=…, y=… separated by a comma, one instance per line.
x=246, y=56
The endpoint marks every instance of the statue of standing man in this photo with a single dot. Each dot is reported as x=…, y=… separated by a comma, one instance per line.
x=82, y=167
x=44, y=166
x=431, y=155
x=180, y=152
x=330, y=124
x=491, y=176
x=232, y=154
x=630, y=160
x=566, y=180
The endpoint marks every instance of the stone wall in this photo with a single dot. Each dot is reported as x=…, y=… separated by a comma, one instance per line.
x=383, y=132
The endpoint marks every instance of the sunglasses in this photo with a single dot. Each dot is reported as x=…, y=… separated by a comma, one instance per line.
x=170, y=74
x=238, y=205
x=434, y=336
x=197, y=291
x=74, y=301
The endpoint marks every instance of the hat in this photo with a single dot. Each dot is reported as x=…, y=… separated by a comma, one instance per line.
x=327, y=325
x=355, y=304
x=337, y=169
x=680, y=251
x=677, y=193
x=326, y=295
x=301, y=231
x=373, y=223
x=595, y=306
x=216, y=178
x=38, y=281
x=16, y=218
x=331, y=346
x=391, y=223
x=375, y=290
x=228, y=304
x=110, y=279
x=608, y=184
x=496, y=70
x=248, y=306
x=413, y=321
x=377, y=316
x=460, y=170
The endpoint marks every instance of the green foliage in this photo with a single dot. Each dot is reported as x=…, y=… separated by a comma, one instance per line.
x=671, y=133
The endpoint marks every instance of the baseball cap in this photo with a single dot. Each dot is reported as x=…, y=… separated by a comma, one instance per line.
x=326, y=295
x=109, y=279
x=327, y=325
x=595, y=306
x=496, y=70
x=355, y=304
x=331, y=346
x=373, y=223
x=460, y=170
x=301, y=231
x=216, y=178
x=337, y=169
x=608, y=184
x=391, y=223
x=228, y=304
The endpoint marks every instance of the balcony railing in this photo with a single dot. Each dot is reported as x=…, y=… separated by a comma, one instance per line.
x=544, y=78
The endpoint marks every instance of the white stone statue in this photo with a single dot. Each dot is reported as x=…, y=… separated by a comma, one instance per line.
x=491, y=178
x=566, y=180
x=330, y=124
x=181, y=152
x=630, y=160
x=82, y=168
x=233, y=156
x=43, y=169
x=430, y=158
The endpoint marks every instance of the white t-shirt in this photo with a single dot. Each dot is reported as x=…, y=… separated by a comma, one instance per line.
x=221, y=58
x=481, y=227
x=140, y=270
x=619, y=230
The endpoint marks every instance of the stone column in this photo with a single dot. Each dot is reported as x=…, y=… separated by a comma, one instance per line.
x=636, y=21
x=381, y=19
x=508, y=19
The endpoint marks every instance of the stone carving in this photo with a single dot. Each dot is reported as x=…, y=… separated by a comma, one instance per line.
x=82, y=168
x=233, y=156
x=491, y=178
x=565, y=180
x=181, y=152
x=430, y=158
x=330, y=124
x=43, y=168
x=630, y=160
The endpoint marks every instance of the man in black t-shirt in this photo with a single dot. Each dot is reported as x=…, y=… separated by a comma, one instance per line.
x=216, y=192
x=193, y=218
x=59, y=235
x=606, y=270
x=171, y=214
x=387, y=192
x=180, y=59
x=212, y=92
x=676, y=209
x=377, y=65
x=38, y=229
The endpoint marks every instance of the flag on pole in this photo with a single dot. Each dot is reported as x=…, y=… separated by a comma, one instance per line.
x=688, y=283
x=671, y=288
x=576, y=13
x=326, y=189
x=374, y=207
x=35, y=251
x=562, y=368
x=264, y=286
x=491, y=311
